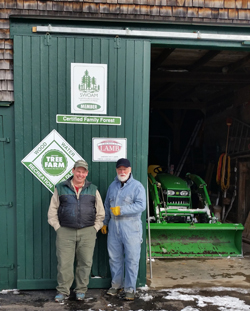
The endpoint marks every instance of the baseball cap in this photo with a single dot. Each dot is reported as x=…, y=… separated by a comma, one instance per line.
x=81, y=163
x=123, y=162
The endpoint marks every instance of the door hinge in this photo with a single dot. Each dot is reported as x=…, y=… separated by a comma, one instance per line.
x=11, y=267
x=47, y=39
x=117, y=42
x=5, y=140
x=8, y=204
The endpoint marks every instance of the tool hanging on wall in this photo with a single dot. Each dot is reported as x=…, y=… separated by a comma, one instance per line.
x=234, y=192
x=224, y=170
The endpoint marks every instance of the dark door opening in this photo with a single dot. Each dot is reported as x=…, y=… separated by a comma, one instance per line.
x=193, y=93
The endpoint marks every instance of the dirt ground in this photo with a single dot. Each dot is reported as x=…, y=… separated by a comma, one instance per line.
x=221, y=284
x=180, y=299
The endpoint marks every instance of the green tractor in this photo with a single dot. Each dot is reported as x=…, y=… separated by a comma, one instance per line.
x=181, y=223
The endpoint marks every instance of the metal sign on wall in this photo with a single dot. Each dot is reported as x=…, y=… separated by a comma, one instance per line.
x=72, y=119
x=88, y=88
x=52, y=160
x=108, y=149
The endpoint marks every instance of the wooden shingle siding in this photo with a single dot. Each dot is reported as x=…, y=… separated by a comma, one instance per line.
x=114, y=9
x=214, y=3
x=145, y=2
x=112, y=1
x=68, y=6
x=10, y=4
x=124, y=1
x=58, y=6
x=180, y=12
x=86, y=8
x=124, y=9
x=223, y=13
x=215, y=13
x=104, y=8
x=230, y=4
x=180, y=2
x=238, y=4
x=133, y=9
x=189, y=3
x=205, y=13
x=199, y=3
x=30, y=5
x=188, y=11
x=4, y=33
x=171, y=2
x=145, y=10
x=77, y=6
x=245, y=4
x=154, y=10
x=244, y=14
x=193, y=12
x=166, y=11
x=232, y=14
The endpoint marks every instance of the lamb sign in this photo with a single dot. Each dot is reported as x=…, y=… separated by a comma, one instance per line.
x=108, y=149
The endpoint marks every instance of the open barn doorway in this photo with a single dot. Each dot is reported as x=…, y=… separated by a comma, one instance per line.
x=197, y=98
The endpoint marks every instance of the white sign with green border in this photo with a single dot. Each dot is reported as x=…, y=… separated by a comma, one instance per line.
x=72, y=119
x=88, y=88
x=52, y=160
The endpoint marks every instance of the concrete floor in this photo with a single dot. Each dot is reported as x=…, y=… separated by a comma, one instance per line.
x=225, y=272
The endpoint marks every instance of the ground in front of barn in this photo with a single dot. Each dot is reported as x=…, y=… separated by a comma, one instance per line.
x=175, y=285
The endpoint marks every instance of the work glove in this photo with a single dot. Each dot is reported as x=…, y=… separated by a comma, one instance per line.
x=116, y=210
x=104, y=229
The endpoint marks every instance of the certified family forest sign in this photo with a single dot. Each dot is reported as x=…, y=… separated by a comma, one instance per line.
x=52, y=160
x=71, y=119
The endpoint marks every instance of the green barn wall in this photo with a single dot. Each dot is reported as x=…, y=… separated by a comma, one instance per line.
x=42, y=90
x=7, y=198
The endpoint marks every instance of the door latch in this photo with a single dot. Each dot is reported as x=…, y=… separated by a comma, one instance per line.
x=8, y=204
x=5, y=140
x=11, y=266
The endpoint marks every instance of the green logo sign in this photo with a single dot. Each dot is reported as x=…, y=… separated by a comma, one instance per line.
x=88, y=85
x=54, y=162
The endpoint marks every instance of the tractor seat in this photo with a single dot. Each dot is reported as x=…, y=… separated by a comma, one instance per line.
x=151, y=170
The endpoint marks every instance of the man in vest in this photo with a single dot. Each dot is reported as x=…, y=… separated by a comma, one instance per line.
x=124, y=204
x=76, y=213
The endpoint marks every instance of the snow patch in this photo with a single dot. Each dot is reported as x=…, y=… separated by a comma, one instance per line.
x=230, y=289
x=6, y=291
x=183, y=290
x=144, y=288
x=152, y=259
x=146, y=297
x=225, y=303
x=210, y=289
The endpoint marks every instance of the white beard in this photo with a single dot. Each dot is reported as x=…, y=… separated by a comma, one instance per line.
x=123, y=178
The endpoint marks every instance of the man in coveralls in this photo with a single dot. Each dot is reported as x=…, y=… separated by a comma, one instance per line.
x=76, y=212
x=124, y=204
